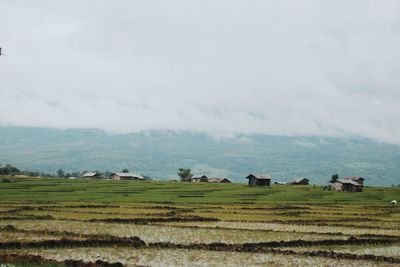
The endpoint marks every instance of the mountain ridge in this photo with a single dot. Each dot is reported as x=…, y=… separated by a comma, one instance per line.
x=159, y=154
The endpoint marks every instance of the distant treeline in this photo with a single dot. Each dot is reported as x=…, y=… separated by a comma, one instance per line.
x=11, y=170
x=62, y=174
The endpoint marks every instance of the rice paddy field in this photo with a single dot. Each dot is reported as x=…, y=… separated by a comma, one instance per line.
x=57, y=222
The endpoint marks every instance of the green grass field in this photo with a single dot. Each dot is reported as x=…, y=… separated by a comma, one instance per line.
x=195, y=224
x=108, y=191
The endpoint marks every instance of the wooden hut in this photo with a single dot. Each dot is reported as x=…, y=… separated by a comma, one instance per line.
x=357, y=179
x=349, y=184
x=198, y=179
x=92, y=175
x=259, y=180
x=219, y=180
x=126, y=176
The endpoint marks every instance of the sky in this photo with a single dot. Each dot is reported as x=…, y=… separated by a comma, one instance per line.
x=300, y=67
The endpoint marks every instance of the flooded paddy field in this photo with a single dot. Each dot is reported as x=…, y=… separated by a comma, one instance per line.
x=162, y=224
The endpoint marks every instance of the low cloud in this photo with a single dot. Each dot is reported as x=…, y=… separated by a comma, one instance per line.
x=223, y=67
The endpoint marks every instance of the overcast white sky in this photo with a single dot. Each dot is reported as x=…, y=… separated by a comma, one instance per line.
x=224, y=67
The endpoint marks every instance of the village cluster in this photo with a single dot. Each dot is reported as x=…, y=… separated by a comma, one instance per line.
x=350, y=184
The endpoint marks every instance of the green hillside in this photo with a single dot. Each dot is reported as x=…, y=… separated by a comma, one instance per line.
x=160, y=153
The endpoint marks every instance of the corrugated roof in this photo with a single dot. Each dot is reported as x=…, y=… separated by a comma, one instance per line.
x=261, y=176
x=349, y=178
x=353, y=178
x=90, y=174
x=128, y=174
x=348, y=181
x=217, y=180
x=199, y=177
x=298, y=180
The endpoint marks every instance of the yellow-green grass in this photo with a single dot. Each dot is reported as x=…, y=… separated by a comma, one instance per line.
x=107, y=191
x=68, y=215
x=160, y=233
x=289, y=228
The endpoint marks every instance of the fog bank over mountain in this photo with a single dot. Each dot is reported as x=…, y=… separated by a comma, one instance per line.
x=299, y=67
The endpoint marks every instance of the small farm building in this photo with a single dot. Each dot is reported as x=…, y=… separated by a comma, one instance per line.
x=198, y=179
x=126, y=176
x=349, y=184
x=259, y=180
x=219, y=180
x=92, y=175
x=357, y=179
x=299, y=181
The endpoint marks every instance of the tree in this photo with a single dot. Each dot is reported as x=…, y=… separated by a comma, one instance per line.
x=335, y=177
x=99, y=173
x=125, y=170
x=9, y=170
x=185, y=174
x=60, y=173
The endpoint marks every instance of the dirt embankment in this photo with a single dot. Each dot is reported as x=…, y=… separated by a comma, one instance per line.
x=324, y=222
x=264, y=247
x=284, y=207
x=13, y=229
x=55, y=207
x=14, y=258
x=259, y=247
x=156, y=220
x=134, y=242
